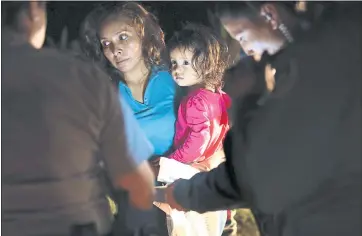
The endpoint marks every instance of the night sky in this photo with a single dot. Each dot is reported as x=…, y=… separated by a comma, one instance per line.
x=170, y=15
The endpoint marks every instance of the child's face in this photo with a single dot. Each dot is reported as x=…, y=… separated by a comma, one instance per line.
x=182, y=71
x=121, y=44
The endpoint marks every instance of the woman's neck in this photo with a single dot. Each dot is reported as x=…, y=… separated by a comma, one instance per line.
x=136, y=80
x=137, y=76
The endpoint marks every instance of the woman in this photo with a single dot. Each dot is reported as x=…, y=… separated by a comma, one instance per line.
x=128, y=41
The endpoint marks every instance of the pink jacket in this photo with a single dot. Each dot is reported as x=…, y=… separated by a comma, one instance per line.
x=201, y=125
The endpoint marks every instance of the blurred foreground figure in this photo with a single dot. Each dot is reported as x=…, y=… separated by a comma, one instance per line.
x=58, y=115
x=295, y=155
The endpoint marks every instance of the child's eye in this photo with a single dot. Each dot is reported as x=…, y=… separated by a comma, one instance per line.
x=186, y=63
x=123, y=37
x=173, y=62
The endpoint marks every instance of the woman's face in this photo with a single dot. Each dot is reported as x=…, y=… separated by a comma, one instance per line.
x=121, y=44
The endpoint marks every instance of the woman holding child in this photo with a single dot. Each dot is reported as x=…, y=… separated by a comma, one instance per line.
x=129, y=43
x=127, y=40
x=198, y=62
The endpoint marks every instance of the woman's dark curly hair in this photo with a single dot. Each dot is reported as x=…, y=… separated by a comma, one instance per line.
x=210, y=52
x=145, y=24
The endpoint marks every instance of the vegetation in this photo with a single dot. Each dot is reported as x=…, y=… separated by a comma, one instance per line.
x=246, y=223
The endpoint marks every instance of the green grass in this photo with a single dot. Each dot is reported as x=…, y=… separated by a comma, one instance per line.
x=248, y=226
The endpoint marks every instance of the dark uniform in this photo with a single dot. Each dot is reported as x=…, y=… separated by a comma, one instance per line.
x=297, y=158
x=58, y=115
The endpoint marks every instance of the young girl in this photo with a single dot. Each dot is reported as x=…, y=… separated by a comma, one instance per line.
x=128, y=41
x=198, y=60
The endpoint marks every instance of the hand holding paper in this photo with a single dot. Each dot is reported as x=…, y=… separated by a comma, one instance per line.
x=170, y=171
x=165, y=200
x=182, y=221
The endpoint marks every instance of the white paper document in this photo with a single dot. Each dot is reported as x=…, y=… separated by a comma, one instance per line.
x=187, y=223
x=171, y=170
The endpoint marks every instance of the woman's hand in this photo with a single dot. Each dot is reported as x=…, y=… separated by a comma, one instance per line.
x=155, y=165
x=164, y=207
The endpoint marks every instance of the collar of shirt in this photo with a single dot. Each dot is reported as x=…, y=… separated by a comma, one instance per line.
x=156, y=115
x=160, y=83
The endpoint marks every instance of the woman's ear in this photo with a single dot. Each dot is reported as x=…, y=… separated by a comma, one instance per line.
x=270, y=13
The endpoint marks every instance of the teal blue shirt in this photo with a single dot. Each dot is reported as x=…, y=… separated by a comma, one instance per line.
x=156, y=115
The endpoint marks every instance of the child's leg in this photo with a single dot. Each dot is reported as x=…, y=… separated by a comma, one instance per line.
x=231, y=226
x=220, y=217
x=222, y=221
x=208, y=224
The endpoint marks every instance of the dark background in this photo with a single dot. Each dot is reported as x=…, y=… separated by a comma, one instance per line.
x=170, y=15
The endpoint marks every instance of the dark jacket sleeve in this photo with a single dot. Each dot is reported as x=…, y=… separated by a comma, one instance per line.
x=214, y=190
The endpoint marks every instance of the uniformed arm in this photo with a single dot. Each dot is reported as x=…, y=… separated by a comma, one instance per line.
x=124, y=149
x=210, y=191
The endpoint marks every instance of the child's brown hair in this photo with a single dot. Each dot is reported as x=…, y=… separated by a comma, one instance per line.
x=210, y=52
